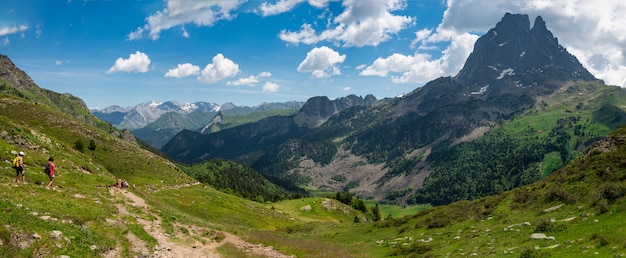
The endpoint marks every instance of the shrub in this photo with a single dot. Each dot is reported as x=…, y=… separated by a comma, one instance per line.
x=92, y=145
x=544, y=225
x=413, y=250
x=533, y=253
x=602, y=206
x=524, y=196
x=339, y=178
x=79, y=145
x=612, y=191
x=439, y=221
x=557, y=194
x=599, y=239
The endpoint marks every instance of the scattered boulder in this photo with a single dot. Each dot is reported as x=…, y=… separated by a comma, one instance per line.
x=305, y=208
x=541, y=236
x=553, y=208
x=538, y=236
x=426, y=240
x=56, y=234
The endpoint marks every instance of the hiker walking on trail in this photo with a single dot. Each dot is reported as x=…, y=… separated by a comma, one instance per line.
x=18, y=164
x=50, y=169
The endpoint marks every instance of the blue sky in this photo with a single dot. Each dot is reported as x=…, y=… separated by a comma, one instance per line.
x=126, y=52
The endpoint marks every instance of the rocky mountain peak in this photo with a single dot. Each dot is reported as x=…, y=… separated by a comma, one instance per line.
x=318, y=109
x=514, y=54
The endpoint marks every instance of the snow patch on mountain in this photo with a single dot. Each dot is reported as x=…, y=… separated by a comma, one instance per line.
x=145, y=113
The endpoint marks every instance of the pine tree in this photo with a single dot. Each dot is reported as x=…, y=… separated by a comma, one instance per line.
x=376, y=212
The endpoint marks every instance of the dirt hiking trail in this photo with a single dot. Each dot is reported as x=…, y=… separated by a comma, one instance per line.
x=196, y=242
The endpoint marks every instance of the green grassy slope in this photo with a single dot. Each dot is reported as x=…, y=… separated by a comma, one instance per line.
x=581, y=206
x=82, y=207
x=528, y=147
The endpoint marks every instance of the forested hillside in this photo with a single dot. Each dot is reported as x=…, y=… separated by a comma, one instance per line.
x=240, y=180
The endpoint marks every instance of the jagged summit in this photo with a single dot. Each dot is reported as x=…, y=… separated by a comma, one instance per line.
x=519, y=56
x=318, y=109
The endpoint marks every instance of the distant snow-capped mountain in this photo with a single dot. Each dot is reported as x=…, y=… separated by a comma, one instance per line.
x=145, y=113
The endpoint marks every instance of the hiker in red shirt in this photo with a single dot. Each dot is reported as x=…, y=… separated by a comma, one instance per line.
x=50, y=169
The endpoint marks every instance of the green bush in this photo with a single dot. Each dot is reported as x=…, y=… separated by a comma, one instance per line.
x=533, y=253
x=545, y=225
x=413, y=250
x=612, y=191
x=557, y=194
x=599, y=239
x=79, y=145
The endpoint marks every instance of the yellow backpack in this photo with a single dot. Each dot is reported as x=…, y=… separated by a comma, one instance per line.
x=16, y=162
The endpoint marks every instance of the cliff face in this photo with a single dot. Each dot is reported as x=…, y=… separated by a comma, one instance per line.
x=514, y=52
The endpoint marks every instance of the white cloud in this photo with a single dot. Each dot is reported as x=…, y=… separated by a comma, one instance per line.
x=270, y=87
x=279, y=7
x=137, y=34
x=420, y=67
x=347, y=88
x=185, y=33
x=5, y=41
x=265, y=74
x=250, y=80
x=178, y=13
x=58, y=62
x=362, y=23
x=417, y=68
x=12, y=30
x=183, y=70
x=306, y=35
x=283, y=6
x=219, y=69
x=137, y=62
x=321, y=62
x=394, y=63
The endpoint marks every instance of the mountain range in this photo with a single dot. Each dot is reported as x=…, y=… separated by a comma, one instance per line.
x=396, y=149
x=141, y=115
x=157, y=122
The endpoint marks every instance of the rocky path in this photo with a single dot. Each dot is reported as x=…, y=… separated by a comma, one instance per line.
x=197, y=243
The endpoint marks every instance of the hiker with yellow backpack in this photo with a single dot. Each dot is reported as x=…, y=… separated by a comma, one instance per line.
x=18, y=164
